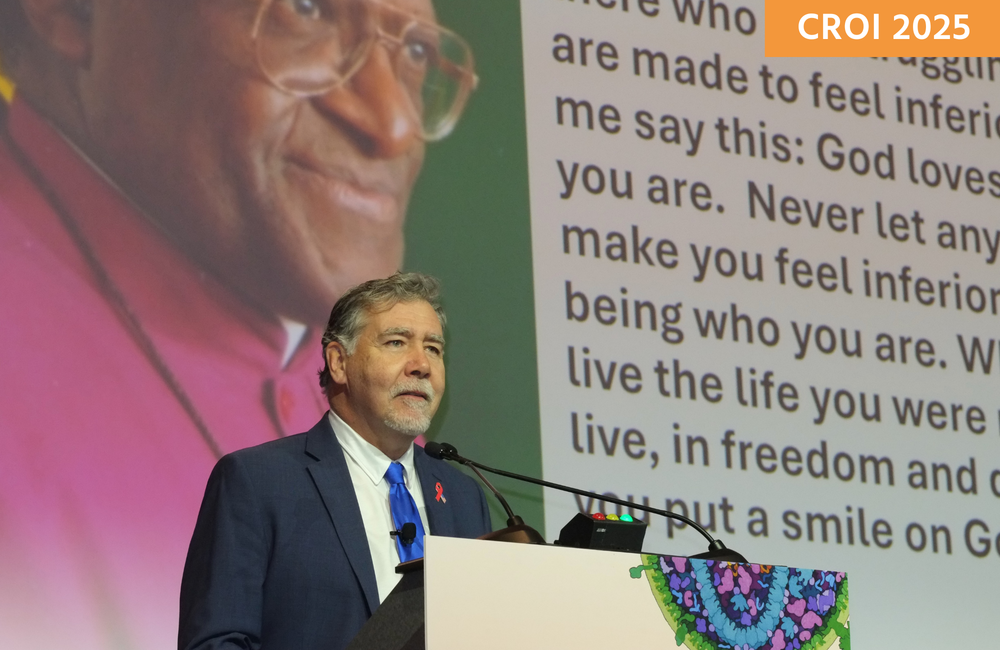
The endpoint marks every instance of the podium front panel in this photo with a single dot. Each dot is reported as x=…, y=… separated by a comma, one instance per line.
x=494, y=595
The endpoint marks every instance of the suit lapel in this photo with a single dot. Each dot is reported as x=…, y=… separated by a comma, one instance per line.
x=333, y=480
x=440, y=517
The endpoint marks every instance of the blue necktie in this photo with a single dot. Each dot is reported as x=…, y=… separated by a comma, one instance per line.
x=404, y=510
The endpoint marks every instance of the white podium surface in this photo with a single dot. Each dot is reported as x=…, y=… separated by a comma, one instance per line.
x=492, y=594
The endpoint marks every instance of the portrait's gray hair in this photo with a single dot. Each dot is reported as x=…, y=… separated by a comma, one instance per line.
x=349, y=315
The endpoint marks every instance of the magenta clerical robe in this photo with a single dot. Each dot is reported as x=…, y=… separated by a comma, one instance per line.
x=102, y=468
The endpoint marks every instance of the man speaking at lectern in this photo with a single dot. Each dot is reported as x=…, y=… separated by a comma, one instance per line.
x=293, y=545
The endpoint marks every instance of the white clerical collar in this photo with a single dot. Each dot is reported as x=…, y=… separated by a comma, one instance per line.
x=368, y=457
x=294, y=333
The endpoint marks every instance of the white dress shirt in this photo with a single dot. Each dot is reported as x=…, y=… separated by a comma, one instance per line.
x=367, y=465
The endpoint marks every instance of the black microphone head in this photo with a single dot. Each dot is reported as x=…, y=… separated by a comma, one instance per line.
x=442, y=451
x=449, y=452
x=434, y=449
x=408, y=532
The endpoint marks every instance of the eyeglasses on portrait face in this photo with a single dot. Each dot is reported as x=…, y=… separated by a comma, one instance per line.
x=309, y=47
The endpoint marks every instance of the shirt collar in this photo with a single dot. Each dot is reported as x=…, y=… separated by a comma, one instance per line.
x=368, y=457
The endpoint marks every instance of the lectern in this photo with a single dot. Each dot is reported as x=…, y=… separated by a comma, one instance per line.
x=487, y=595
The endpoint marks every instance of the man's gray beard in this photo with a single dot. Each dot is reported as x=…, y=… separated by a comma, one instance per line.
x=410, y=425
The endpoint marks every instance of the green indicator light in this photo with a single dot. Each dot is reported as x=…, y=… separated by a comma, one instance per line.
x=626, y=517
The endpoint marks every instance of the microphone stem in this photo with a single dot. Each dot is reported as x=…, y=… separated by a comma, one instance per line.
x=714, y=544
x=512, y=519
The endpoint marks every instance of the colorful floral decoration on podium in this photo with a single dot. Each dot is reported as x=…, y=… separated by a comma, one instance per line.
x=711, y=605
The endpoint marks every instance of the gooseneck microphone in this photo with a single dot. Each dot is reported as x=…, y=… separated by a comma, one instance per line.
x=716, y=549
x=517, y=530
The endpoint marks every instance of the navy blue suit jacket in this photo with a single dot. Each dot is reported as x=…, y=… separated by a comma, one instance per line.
x=279, y=558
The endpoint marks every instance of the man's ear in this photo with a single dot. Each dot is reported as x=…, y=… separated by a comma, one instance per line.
x=336, y=361
x=63, y=25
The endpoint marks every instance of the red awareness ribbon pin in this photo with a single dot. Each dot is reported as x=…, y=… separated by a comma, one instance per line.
x=440, y=493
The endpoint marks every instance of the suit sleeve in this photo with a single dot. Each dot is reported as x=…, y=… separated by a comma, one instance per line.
x=221, y=600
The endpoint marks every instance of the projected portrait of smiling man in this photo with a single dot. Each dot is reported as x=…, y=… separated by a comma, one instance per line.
x=185, y=189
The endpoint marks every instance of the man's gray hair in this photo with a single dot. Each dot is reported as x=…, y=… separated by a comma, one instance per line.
x=349, y=315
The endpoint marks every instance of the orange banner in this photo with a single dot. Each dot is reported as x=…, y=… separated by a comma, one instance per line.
x=881, y=28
